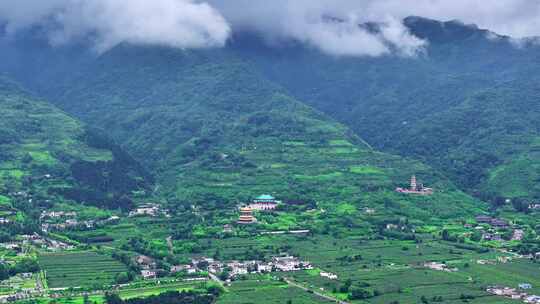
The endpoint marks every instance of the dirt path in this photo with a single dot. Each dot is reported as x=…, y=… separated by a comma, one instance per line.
x=170, y=245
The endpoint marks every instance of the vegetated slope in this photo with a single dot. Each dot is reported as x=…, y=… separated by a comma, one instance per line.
x=496, y=130
x=422, y=101
x=215, y=132
x=54, y=157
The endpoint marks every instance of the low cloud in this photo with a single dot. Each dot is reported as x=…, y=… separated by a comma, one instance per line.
x=175, y=23
x=328, y=25
x=301, y=20
x=331, y=26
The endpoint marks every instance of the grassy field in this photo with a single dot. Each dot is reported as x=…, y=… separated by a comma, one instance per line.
x=79, y=269
x=137, y=290
x=261, y=290
x=96, y=299
x=146, y=290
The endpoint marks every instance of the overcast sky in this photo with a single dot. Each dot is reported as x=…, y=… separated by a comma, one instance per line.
x=203, y=24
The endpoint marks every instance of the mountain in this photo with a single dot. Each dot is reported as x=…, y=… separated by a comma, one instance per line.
x=415, y=107
x=215, y=131
x=52, y=157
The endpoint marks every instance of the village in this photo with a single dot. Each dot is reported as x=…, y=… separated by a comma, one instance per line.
x=494, y=229
x=36, y=241
x=226, y=271
x=255, y=213
x=515, y=293
x=60, y=221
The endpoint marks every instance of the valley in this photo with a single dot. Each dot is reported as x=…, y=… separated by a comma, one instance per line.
x=252, y=173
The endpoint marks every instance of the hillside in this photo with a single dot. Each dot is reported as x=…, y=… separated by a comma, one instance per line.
x=490, y=138
x=52, y=157
x=415, y=99
x=215, y=132
x=426, y=104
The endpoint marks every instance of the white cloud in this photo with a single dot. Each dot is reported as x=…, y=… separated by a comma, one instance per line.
x=310, y=22
x=208, y=23
x=175, y=23
x=294, y=19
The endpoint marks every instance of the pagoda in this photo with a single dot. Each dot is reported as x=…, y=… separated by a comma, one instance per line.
x=415, y=188
x=246, y=216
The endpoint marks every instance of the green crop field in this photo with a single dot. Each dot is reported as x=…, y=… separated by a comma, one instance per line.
x=79, y=269
x=261, y=290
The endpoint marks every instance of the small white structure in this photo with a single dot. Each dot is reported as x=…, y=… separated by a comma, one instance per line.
x=290, y=263
x=525, y=286
x=328, y=275
x=148, y=274
x=439, y=267
x=149, y=210
x=190, y=269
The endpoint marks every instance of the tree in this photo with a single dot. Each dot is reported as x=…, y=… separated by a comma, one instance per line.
x=4, y=272
x=112, y=298
x=361, y=293
x=122, y=278
x=346, y=286
x=476, y=236
x=445, y=235
x=215, y=290
x=520, y=205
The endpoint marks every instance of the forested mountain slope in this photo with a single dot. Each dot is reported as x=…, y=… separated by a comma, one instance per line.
x=425, y=107
x=215, y=131
x=490, y=138
x=52, y=157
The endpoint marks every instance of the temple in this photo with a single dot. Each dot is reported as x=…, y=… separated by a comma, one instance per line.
x=264, y=202
x=415, y=188
x=246, y=216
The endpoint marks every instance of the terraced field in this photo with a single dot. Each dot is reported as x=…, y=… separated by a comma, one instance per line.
x=79, y=269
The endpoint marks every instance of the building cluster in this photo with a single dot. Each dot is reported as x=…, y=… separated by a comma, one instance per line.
x=56, y=214
x=20, y=296
x=4, y=220
x=498, y=260
x=45, y=243
x=148, y=266
x=237, y=268
x=494, y=225
x=60, y=221
x=415, y=188
x=534, y=206
x=38, y=241
x=492, y=221
x=152, y=210
x=16, y=288
x=189, y=269
x=439, y=267
x=515, y=293
x=264, y=202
